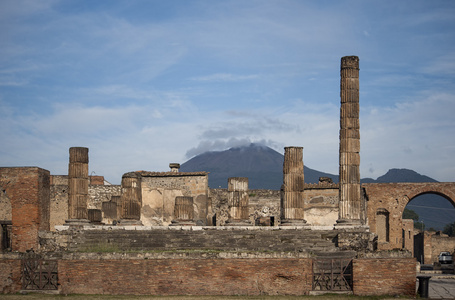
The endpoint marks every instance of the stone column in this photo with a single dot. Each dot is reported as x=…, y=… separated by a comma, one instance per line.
x=238, y=201
x=131, y=199
x=183, y=211
x=78, y=181
x=292, y=201
x=349, y=195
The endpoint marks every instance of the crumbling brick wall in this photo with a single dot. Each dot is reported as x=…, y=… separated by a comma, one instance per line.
x=190, y=276
x=28, y=189
x=384, y=276
x=10, y=276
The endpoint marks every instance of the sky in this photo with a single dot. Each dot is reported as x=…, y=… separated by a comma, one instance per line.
x=146, y=83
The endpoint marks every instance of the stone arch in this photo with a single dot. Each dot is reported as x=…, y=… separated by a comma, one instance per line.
x=394, y=197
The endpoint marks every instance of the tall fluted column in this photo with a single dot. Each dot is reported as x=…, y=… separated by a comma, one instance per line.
x=78, y=181
x=349, y=195
x=292, y=201
x=183, y=211
x=131, y=199
x=238, y=201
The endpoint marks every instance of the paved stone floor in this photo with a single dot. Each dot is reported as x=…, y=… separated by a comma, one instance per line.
x=441, y=287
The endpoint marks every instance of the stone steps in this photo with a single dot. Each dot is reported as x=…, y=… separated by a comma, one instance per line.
x=287, y=240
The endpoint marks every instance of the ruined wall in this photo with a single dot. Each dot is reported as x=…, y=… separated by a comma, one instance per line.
x=390, y=199
x=384, y=276
x=264, y=206
x=10, y=276
x=321, y=204
x=434, y=243
x=97, y=195
x=27, y=189
x=160, y=189
x=408, y=235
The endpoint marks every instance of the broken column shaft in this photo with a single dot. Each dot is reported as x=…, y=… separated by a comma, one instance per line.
x=183, y=211
x=78, y=181
x=292, y=201
x=238, y=201
x=131, y=199
x=349, y=195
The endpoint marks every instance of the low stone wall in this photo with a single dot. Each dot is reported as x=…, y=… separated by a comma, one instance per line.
x=381, y=276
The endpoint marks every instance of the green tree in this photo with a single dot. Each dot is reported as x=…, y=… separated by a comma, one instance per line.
x=410, y=214
x=449, y=229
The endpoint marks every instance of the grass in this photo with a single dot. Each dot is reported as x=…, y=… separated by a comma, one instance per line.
x=36, y=296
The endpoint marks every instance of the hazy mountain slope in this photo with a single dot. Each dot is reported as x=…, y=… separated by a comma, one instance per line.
x=262, y=165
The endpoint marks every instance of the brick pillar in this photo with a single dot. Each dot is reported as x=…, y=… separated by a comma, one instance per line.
x=131, y=199
x=183, y=211
x=28, y=190
x=238, y=202
x=349, y=196
x=292, y=202
x=78, y=181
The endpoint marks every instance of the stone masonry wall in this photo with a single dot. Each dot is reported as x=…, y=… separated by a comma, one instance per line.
x=160, y=189
x=321, y=205
x=435, y=243
x=384, y=276
x=59, y=198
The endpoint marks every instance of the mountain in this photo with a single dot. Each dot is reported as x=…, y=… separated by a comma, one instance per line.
x=399, y=175
x=262, y=165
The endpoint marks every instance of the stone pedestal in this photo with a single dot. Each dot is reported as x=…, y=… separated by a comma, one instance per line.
x=238, y=202
x=78, y=181
x=292, y=201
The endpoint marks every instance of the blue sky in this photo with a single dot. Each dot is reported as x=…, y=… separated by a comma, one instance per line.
x=146, y=83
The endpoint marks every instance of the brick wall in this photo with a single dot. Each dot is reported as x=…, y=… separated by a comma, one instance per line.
x=28, y=191
x=10, y=276
x=186, y=276
x=192, y=273
x=384, y=276
x=394, y=197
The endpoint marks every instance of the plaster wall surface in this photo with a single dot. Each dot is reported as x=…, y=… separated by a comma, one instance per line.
x=321, y=204
x=160, y=189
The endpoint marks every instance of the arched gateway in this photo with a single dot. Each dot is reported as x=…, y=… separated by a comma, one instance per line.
x=386, y=203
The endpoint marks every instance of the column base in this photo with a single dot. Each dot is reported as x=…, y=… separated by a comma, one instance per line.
x=77, y=222
x=290, y=222
x=237, y=223
x=182, y=223
x=349, y=224
x=129, y=222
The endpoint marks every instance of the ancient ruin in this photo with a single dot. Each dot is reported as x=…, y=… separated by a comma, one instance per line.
x=168, y=233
